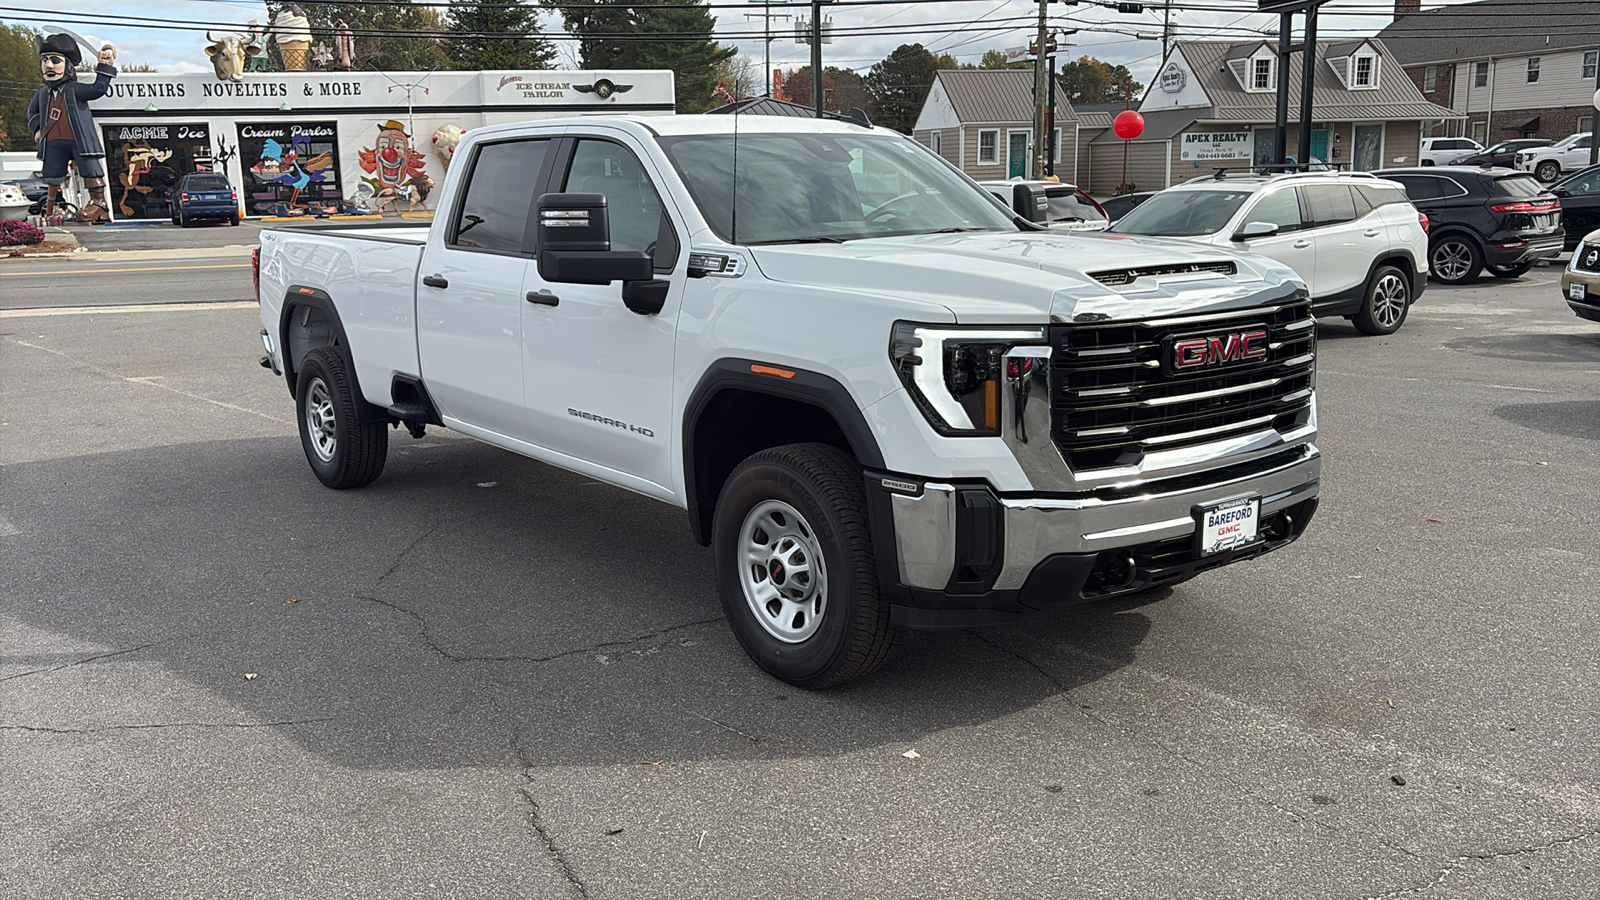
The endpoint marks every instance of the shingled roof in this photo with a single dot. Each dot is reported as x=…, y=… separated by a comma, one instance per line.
x=997, y=95
x=1488, y=28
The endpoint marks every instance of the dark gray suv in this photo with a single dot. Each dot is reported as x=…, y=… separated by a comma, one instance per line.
x=1500, y=219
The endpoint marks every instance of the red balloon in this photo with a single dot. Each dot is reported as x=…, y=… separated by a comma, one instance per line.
x=1128, y=124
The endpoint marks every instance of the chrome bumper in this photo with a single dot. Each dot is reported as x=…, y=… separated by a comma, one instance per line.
x=1037, y=527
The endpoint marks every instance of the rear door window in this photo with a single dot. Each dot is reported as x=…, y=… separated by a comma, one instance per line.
x=499, y=200
x=1330, y=204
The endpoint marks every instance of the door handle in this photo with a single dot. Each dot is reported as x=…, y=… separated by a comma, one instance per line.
x=438, y=281
x=543, y=298
x=1372, y=232
x=1301, y=245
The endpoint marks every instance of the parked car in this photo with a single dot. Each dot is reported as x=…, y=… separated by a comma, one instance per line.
x=1569, y=154
x=1356, y=240
x=1439, y=151
x=1579, y=194
x=204, y=195
x=1118, y=206
x=1580, y=283
x=1501, y=154
x=1065, y=207
x=1497, y=218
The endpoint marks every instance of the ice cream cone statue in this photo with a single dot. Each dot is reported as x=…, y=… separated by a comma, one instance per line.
x=292, y=32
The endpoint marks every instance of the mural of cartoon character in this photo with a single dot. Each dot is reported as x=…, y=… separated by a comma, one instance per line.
x=137, y=157
x=396, y=170
x=62, y=125
x=286, y=168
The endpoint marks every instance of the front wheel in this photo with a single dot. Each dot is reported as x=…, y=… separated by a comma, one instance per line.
x=343, y=452
x=1387, y=302
x=795, y=566
x=1516, y=271
x=1548, y=171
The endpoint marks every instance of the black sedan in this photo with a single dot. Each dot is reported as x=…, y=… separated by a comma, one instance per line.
x=1580, y=203
x=1501, y=154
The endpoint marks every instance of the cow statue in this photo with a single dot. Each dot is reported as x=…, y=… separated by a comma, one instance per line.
x=229, y=54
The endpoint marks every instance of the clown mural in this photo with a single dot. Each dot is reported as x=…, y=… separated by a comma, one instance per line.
x=397, y=172
x=62, y=125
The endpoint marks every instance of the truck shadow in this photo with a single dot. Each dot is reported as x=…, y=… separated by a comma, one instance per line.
x=1541, y=348
x=470, y=608
x=1571, y=418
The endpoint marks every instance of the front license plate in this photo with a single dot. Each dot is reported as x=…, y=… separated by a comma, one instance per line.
x=1228, y=525
x=1575, y=291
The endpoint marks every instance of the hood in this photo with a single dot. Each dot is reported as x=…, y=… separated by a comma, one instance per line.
x=1028, y=277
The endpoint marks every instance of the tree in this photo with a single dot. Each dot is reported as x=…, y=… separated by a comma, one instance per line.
x=19, y=78
x=617, y=34
x=479, y=36
x=401, y=37
x=1091, y=80
x=842, y=89
x=899, y=84
x=742, y=76
x=997, y=59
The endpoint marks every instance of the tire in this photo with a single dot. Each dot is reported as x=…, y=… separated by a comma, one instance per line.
x=1548, y=171
x=1387, y=302
x=795, y=566
x=1516, y=271
x=234, y=220
x=183, y=220
x=343, y=452
x=174, y=217
x=1454, y=259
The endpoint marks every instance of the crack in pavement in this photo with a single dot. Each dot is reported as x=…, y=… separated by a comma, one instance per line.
x=1463, y=860
x=90, y=659
x=536, y=820
x=39, y=729
x=407, y=552
x=427, y=638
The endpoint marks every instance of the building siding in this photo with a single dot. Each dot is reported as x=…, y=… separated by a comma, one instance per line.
x=1560, y=84
x=1147, y=167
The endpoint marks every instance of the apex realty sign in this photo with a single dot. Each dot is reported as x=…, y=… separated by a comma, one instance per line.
x=1215, y=145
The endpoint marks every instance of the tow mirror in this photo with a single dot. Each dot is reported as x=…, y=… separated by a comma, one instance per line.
x=574, y=234
x=1029, y=202
x=1256, y=230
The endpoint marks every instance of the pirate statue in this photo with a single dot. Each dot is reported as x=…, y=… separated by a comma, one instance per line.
x=62, y=125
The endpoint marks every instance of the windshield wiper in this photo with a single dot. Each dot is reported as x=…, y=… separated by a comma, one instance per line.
x=798, y=240
x=956, y=230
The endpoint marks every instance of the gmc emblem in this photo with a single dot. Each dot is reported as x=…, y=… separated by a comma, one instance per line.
x=1188, y=354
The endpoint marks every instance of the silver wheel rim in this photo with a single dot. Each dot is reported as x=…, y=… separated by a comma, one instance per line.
x=1548, y=172
x=320, y=420
x=1389, y=301
x=1452, y=260
x=781, y=571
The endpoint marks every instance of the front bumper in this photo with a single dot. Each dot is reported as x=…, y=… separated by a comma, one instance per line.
x=958, y=555
x=1587, y=304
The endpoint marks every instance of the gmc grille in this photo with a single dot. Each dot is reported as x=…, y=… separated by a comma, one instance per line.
x=1115, y=277
x=1111, y=401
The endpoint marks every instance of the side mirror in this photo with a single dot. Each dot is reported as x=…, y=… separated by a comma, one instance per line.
x=1256, y=230
x=1029, y=202
x=575, y=243
x=1561, y=192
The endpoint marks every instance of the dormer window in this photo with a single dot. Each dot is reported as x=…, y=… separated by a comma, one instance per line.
x=1261, y=74
x=1364, y=66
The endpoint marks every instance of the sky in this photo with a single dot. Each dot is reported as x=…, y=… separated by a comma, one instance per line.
x=963, y=28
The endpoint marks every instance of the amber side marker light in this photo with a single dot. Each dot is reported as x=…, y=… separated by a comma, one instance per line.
x=771, y=370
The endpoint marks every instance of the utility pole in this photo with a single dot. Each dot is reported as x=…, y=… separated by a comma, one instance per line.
x=1166, y=30
x=1041, y=96
x=766, y=31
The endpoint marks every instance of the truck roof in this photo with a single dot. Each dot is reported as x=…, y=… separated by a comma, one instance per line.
x=704, y=124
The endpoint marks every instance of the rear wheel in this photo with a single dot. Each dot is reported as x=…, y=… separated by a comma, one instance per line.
x=795, y=566
x=1548, y=171
x=234, y=220
x=343, y=452
x=183, y=220
x=1387, y=302
x=1455, y=259
x=1516, y=271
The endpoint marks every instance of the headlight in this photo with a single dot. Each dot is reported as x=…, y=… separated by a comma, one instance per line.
x=955, y=374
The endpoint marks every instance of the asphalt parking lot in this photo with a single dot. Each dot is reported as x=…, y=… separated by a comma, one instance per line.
x=484, y=677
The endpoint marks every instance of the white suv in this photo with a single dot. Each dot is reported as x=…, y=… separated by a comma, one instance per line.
x=1356, y=240
x=1441, y=151
x=1569, y=154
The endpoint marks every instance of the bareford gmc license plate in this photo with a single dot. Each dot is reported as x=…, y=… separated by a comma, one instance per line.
x=1228, y=525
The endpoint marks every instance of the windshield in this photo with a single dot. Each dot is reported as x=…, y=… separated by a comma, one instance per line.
x=827, y=187
x=1182, y=213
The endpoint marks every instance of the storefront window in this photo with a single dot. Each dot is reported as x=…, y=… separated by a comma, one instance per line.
x=145, y=162
x=290, y=167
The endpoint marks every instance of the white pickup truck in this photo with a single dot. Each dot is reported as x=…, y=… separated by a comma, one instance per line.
x=882, y=400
